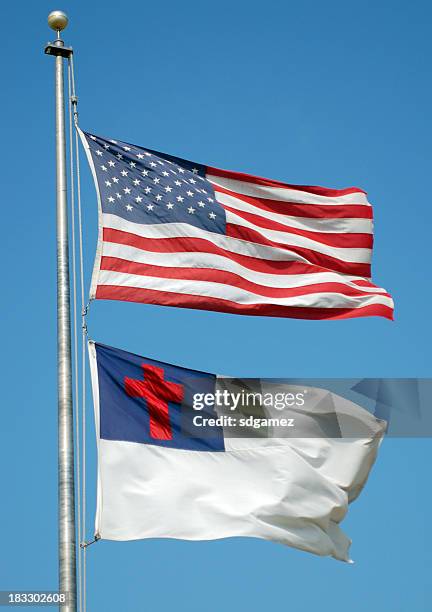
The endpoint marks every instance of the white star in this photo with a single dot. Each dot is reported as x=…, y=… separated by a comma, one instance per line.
x=193, y=181
x=106, y=146
x=153, y=164
x=191, y=210
x=98, y=152
x=118, y=195
x=115, y=179
x=210, y=199
x=104, y=168
x=201, y=203
x=180, y=170
x=145, y=172
x=93, y=137
x=190, y=193
x=168, y=189
x=150, y=207
x=212, y=215
x=113, y=141
x=124, y=173
x=177, y=183
x=170, y=205
x=132, y=164
x=180, y=199
x=147, y=153
x=129, y=207
x=158, y=197
x=156, y=180
x=195, y=170
x=138, y=199
x=126, y=190
x=203, y=191
x=119, y=156
x=165, y=173
x=127, y=148
x=108, y=184
x=111, y=163
x=110, y=199
x=140, y=156
x=147, y=189
x=136, y=182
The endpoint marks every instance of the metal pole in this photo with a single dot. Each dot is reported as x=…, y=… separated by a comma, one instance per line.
x=66, y=486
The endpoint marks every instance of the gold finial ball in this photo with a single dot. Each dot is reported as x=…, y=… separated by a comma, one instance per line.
x=57, y=20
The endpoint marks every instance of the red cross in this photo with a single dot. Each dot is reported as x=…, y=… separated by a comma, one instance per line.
x=157, y=392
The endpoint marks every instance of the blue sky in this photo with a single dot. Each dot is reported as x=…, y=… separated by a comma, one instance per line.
x=334, y=93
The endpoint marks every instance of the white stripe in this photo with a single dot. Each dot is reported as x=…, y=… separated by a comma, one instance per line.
x=235, y=294
x=340, y=226
x=285, y=194
x=353, y=255
x=185, y=230
x=235, y=245
x=225, y=264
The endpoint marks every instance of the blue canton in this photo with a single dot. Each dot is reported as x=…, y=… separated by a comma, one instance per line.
x=125, y=418
x=145, y=186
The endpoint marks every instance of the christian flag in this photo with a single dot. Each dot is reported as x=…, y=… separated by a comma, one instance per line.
x=171, y=465
x=179, y=233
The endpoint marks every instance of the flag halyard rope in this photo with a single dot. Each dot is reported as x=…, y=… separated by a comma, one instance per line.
x=75, y=337
x=80, y=375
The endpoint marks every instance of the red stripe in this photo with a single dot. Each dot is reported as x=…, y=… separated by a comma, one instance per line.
x=180, y=300
x=225, y=278
x=325, y=261
x=259, y=180
x=341, y=240
x=312, y=211
x=201, y=245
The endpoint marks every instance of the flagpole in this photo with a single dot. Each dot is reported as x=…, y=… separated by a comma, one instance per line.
x=58, y=21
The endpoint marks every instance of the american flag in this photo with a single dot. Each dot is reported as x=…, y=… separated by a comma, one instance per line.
x=177, y=233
